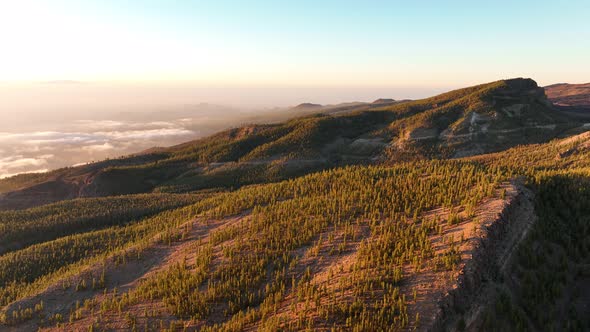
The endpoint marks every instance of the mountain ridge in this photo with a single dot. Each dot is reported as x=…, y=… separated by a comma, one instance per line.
x=475, y=120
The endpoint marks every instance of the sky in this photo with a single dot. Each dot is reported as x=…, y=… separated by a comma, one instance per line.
x=84, y=80
x=303, y=43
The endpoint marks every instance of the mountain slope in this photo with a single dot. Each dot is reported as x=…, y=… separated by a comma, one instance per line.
x=543, y=284
x=572, y=99
x=279, y=235
x=350, y=248
x=572, y=95
x=475, y=120
x=491, y=117
x=346, y=222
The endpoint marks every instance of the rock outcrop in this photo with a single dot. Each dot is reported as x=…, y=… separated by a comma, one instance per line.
x=462, y=306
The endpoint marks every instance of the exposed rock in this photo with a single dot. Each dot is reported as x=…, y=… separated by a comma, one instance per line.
x=490, y=258
x=514, y=111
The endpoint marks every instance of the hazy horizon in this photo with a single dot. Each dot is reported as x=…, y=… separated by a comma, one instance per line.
x=41, y=105
x=49, y=125
x=57, y=124
x=85, y=80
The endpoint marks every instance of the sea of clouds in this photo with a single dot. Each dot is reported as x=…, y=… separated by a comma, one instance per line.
x=85, y=141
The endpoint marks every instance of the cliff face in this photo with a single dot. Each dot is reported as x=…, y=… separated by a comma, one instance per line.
x=516, y=113
x=462, y=308
x=489, y=118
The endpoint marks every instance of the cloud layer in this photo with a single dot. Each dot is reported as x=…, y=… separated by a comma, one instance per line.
x=84, y=141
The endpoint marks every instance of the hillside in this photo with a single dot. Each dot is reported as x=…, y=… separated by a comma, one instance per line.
x=572, y=99
x=408, y=216
x=569, y=95
x=480, y=119
x=316, y=252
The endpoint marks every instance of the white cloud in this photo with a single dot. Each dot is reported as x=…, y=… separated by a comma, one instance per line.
x=17, y=164
x=38, y=139
x=46, y=156
x=99, y=124
x=98, y=147
x=88, y=141
x=110, y=125
x=7, y=175
x=19, y=161
x=43, y=137
x=146, y=134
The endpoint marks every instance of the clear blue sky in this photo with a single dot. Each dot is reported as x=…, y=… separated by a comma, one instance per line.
x=330, y=43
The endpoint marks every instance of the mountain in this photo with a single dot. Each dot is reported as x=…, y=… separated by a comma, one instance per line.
x=307, y=106
x=574, y=99
x=475, y=120
x=569, y=95
x=467, y=211
x=384, y=101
